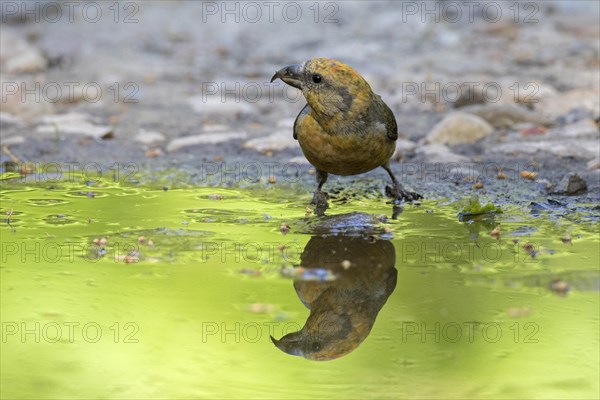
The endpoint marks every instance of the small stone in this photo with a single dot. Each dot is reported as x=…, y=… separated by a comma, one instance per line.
x=533, y=130
x=571, y=184
x=564, y=102
x=299, y=160
x=469, y=95
x=458, y=128
x=272, y=179
x=275, y=142
x=203, y=138
x=153, y=153
x=287, y=123
x=148, y=137
x=502, y=116
x=478, y=185
x=215, y=128
x=131, y=259
x=585, y=128
x=501, y=175
x=530, y=175
x=560, y=287
x=405, y=146
x=9, y=119
x=439, y=153
x=284, y=228
x=495, y=233
x=594, y=164
x=12, y=140
x=75, y=124
x=567, y=240
x=530, y=248
x=19, y=56
x=346, y=264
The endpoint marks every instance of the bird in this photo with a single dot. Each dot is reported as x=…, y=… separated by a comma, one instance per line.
x=343, y=310
x=345, y=128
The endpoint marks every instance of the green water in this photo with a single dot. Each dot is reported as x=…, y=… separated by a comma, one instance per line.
x=181, y=297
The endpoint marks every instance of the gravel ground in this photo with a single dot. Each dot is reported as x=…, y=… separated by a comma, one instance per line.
x=184, y=86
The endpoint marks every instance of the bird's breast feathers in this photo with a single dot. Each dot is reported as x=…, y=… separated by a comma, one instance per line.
x=342, y=153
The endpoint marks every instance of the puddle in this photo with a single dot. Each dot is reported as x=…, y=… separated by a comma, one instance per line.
x=164, y=292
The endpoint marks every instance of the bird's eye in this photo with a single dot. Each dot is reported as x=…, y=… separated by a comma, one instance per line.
x=317, y=78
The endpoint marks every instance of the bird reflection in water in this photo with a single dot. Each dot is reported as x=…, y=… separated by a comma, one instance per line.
x=342, y=310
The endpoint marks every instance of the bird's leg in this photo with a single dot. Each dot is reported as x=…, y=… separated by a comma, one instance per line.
x=397, y=191
x=320, y=198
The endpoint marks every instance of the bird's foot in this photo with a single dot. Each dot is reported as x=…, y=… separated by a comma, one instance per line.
x=320, y=201
x=397, y=192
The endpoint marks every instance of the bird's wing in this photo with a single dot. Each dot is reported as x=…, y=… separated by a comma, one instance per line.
x=299, y=119
x=390, y=122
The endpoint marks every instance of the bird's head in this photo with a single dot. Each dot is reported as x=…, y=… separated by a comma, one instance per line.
x=329, y=86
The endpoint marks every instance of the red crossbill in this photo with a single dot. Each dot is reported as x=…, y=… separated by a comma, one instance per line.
x=345, y=129
x=343, y=310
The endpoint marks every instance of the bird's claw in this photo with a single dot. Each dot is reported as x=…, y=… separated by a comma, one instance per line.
x=399, y=193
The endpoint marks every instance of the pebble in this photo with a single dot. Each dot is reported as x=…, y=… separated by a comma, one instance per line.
x=215, y=128
x=458, y=128
x=565, y=102
x=439, y=153
x=560, y=287
x=147, y=137
x=12, y=140
x=203, y=138
x=585, y=128
x=18, y=56
x=9, y=119
x=502, y=116
x=495, y=233
x=299, y=160
x=530, y=175
x=153, y=153
x=594, y=164
x=277, y=141
x=287, y=123
x=405, y=146
x=469, y=95
x=284, y=228
x=571, y=184
x=74, y=124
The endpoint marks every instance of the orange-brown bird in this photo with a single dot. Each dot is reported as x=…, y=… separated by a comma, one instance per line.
x=345, y=129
